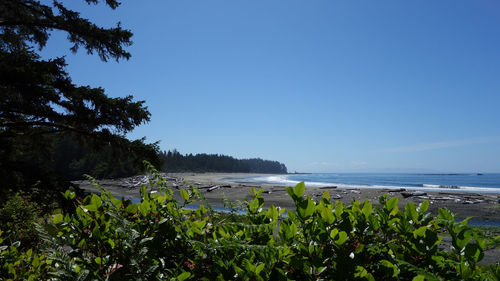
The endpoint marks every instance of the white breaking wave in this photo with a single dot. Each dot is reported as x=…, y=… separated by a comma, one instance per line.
x=284, y=180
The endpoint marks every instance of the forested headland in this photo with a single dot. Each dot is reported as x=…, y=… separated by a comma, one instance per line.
x=72, y=160
x=174, y=161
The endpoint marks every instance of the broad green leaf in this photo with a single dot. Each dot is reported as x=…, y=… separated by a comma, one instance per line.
x=259, y=268
x=445, y=214
x=327, y=215
x=423, y=207
x=116, y=202
x=96, y=232
x=238, y=270
x=294, y=230
x=57, y=218
x=96, y=201
x=360, y=271
x=474, y=252
x=463, y=238
x=310, y=207
x=223, y=233
x=420, y=231
x=36, y=261
x=342, y=238
x=70, y=195
x=272, y=213
x=254, y=206
x=160, y=198
x=363, y=273
x=392, y=204
x=131, y=209
x=339, y=209
x=199, y=224
x=144, y=207
x=334, y=233
x=299, y=189
x=389, y=264
x=183, y=276
x=438, y=259
x=306, y=208
x=411, y=212
x=289, y=190
x=367, y=208
x=478, y=237
x=285, y=231
x=326, y=196
x=81, y=243
x=311, y=249
x=419, y=278
x=184, y=194
x=256, y=192
x=90, y=207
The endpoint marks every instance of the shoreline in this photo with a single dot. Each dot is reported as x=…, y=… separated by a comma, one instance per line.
x=280, y=179
x=483, y=208
x=216, y=186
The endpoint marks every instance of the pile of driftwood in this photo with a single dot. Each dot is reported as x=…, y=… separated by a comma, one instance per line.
x=456, y=198
x=137, y=181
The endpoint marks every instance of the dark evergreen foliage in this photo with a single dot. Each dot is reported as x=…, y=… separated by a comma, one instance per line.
x=40, y=106
x=176, y=162
x=73, y=160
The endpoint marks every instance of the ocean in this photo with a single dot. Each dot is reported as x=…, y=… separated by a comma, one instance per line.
x=478, y=183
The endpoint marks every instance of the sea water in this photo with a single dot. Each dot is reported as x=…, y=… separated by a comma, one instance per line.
x=463, y=182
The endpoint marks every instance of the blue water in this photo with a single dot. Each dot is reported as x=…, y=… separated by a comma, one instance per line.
x=485, y=183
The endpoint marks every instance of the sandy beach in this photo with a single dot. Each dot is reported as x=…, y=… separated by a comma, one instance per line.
x=216, y=186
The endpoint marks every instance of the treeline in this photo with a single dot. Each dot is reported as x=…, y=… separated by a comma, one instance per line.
x=52, y=129
x=74, y=159
x=177, y=162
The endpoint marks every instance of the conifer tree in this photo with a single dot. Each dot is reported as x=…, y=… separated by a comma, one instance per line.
x=39, y=104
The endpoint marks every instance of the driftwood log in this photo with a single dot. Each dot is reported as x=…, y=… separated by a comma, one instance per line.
x=328, y=187
x=410, y=194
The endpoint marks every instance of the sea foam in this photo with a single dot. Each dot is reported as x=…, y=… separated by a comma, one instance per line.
x=310, y=182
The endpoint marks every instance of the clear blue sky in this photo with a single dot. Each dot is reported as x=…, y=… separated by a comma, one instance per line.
x=322, y=86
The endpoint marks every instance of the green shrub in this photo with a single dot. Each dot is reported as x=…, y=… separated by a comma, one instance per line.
x=18, y=264
x=159, y=239
x=17, y=219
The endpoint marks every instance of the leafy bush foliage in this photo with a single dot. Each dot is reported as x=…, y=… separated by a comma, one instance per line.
x=18, y=217
x=160, y=238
